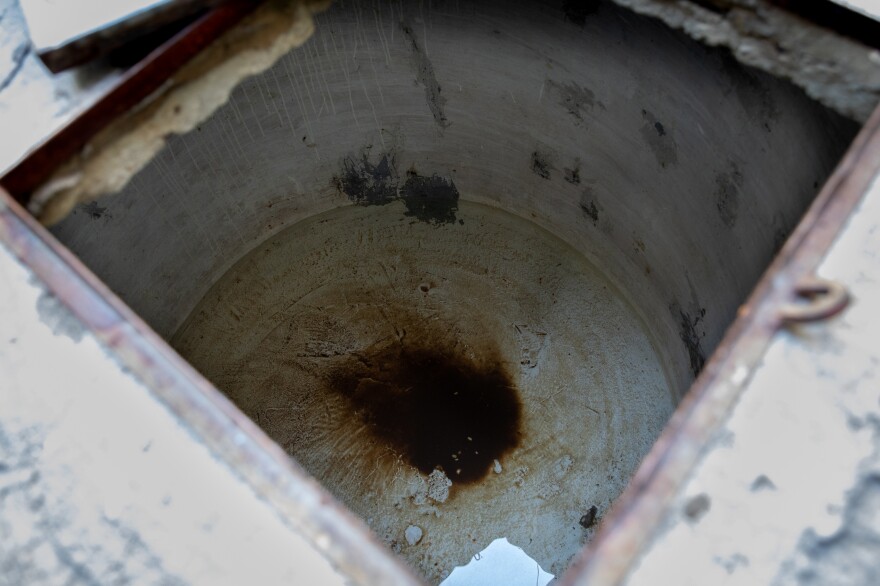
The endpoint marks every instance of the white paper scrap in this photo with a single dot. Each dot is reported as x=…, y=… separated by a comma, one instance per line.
x=500, y=563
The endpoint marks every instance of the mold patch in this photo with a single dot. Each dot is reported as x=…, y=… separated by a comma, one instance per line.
x=427, y=78
x=94, y=211
x=431, y=199
x=588, y=206
x=727, y=186
x=692, y=340
x=577, y=11
x=572, y=176
x=578, y=101
x=366, y=183
x=659, y=139
x=541, y=165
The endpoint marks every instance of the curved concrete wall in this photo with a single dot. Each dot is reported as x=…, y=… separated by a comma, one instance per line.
x=673, y=169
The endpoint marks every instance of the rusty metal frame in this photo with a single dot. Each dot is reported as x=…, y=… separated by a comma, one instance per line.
x=297, y=497
x=638, y=512
x=135, y=85
x=233, y=438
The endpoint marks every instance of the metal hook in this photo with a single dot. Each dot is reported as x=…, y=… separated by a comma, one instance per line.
x=823, y=298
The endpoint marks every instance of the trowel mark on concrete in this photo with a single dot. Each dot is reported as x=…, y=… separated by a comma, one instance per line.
x=577, y=100
x=431, y=199
x=533, y=347
x=727, y=186
x=426, y=76
x=659, y=138
x=366, y=183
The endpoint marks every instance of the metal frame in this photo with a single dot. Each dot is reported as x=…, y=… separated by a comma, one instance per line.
x=638, y=511
x=287, y=487
x=205, y=411
x=134, y=86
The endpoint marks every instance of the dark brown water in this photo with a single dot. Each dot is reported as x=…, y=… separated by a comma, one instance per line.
x=437, y=409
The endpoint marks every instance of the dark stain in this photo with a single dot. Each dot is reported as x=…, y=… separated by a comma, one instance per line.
x=762, y=483
x=716, y=6
x=751, y=90
x=436, y=408
x=95, y=211
x=727, y=186
x=589, y=206
x=573, y=176
x=692, y=340
x=541, y=165
x=19, y=55
x=578, y=101
x=37, y=504
x=697, y=507
x=589, y=518
x=590, y=210
x=577, y=11
x=849, y=554
x=431, y=199
x=659, y=139
x=366, y=183
x=426, y=76
x=55, y=314
x=781, y=231
x=779, y=238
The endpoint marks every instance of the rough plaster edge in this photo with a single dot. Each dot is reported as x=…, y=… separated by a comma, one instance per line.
x=197, y=90
x=836, y=71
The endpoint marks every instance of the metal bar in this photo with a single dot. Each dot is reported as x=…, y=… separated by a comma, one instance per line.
x=139, y=82
x=67, y=34
x=641, y=508
x=231, y=436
